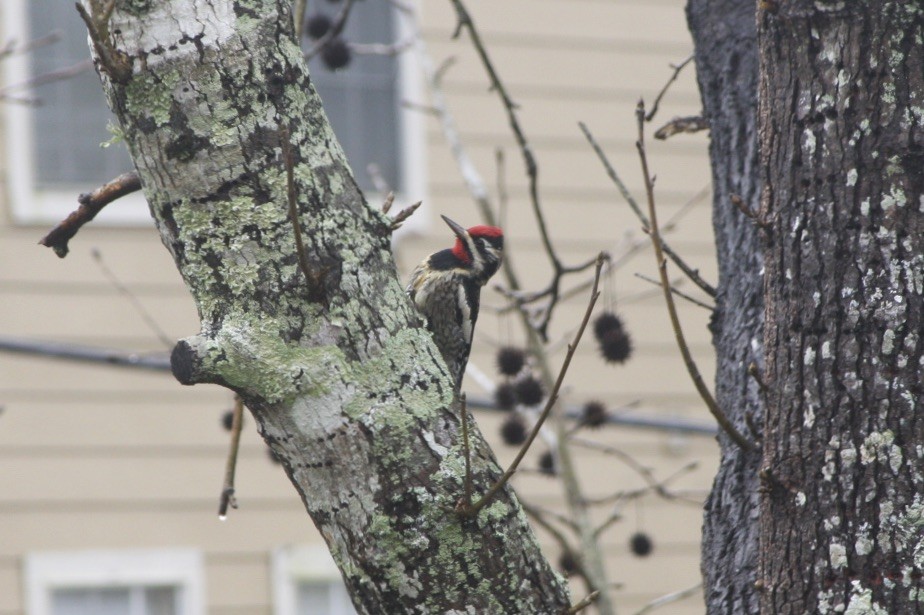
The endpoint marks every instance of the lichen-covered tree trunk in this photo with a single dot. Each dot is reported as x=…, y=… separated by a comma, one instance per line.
x=346, y=388
x=842, y=158
x=725, y=38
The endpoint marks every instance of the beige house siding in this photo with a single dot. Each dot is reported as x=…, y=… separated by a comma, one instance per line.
x=97, y=457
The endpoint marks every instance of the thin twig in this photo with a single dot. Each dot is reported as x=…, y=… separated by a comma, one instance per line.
x=691, y=273
x=113, y=61
x=677, y=68
x=298, y=17
x=472, y=510
x=682, y=125
x=502, y=195
x=677, y=292
x=12, y=46
x=50, y=77
x=149, y=320
x=464, y=21
x=389, y=201
x=312, y=278
x=403, y=215
x=382, y=49
x=583, y=604
x=467, y=496
x=659, y=487
x=754, y=372
x=227, y=490
x=693, y=370
x=539, y=516
x=663, y=483
x=668, y=599
x=739, y=203
x=563, y=519
x=90, y=204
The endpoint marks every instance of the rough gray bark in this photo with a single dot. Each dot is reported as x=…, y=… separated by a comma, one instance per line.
x=725, y=40
x=345, y=386
x=842, y=155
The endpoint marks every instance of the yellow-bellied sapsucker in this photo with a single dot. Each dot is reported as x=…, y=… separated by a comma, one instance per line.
x=446, y=288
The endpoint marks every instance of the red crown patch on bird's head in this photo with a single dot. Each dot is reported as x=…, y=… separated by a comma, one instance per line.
x=485, y=231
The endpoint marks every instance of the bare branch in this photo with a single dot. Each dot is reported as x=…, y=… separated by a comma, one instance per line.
x=693, y=370
x=584, y=603
x=389, y=201
x=113, y=61
x=6, y=93
x=677, y=292
x=466, y=501
x=298, y=17
x=691, y=273
x=472, y=510
x=678, y=125
x=540, y=516
x=403, y=215
x=668, y=599
x=677, y=68
x=313, y=278
x=12, y=46
x=149, y=320
x=90, y=204
x=464, y=21
x=382, y=49
x=227, y=491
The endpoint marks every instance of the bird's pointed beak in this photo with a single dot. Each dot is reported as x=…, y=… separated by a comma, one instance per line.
x=457, y=229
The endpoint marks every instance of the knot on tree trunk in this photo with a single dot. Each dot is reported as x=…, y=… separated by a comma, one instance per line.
x=253, y=358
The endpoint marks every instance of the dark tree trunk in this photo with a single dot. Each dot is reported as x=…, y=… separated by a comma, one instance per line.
x=842, y=158
x=725, y=36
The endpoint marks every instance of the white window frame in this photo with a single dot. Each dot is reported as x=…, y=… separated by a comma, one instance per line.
x=294, y=564
x=48, y=571
x=414, y=170
x=29, y=206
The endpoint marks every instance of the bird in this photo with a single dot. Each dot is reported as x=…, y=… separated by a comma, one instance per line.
x=446, y=290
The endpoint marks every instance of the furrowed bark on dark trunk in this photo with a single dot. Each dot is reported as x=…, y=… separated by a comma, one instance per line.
x=725, y=39
x=842, y=158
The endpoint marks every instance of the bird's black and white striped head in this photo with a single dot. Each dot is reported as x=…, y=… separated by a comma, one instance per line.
x=479, y=249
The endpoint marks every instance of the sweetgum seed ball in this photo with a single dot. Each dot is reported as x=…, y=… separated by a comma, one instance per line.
x=513, y=431
x=336, y=54
x=510, y=360
x=641, y=544
x=529, y=391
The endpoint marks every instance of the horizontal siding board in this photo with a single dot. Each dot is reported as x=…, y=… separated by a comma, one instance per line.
x=11, y=586
x=595, y=24
x=231, y=585
x=133, y=254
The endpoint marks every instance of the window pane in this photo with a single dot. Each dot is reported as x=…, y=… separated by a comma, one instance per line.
x=362, y=100
x=321, y=598
x=160, y=600
x=312, y=599
x=71, y=121
x=90, y=601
